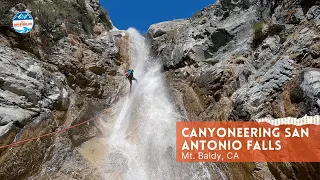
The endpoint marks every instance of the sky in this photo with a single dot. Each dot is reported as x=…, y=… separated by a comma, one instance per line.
x=140, y=14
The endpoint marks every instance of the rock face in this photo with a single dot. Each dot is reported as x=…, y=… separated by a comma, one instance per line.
x=216, y=55
x=234, y=60
x=68, y=69
x=242, y=60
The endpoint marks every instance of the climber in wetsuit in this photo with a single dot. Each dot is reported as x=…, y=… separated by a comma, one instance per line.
x=129, y=75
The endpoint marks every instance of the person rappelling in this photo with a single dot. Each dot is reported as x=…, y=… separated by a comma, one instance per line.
x=292, y=17
x=129, y=75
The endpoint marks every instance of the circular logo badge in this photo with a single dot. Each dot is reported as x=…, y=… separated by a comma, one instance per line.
x=22, y=22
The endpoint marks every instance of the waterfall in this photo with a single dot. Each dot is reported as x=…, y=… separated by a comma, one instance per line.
x=142, y=143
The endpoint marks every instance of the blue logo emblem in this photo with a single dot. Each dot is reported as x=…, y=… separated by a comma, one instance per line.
x=22, y=22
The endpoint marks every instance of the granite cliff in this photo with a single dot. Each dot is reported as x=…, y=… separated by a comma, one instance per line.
x=244, y=60
x=233, y=60
x=68, y=69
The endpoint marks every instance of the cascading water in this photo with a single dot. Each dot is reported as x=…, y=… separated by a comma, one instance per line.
x=142, y=143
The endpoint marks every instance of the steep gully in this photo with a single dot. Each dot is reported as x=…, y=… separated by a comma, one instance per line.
x=141, y=144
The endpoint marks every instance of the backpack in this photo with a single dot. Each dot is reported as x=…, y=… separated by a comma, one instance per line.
x=129, y=72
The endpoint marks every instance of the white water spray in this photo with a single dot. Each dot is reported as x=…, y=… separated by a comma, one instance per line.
x=142, y=144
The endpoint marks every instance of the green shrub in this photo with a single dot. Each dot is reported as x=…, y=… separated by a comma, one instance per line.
x=104, y=18
x=196, y=15
x=257, y=31
x=52, y=14
x=46, y=16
